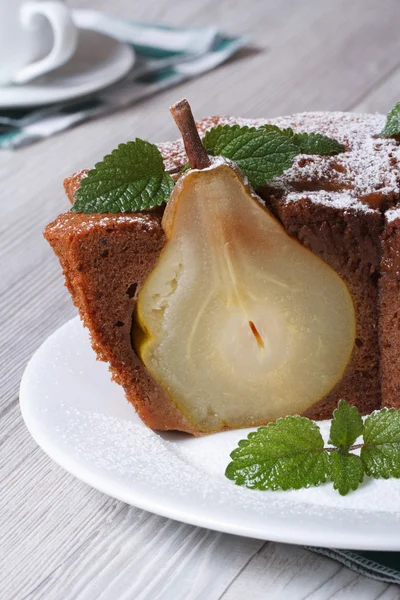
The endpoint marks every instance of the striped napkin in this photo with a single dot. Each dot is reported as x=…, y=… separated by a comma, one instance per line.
x=165, y=56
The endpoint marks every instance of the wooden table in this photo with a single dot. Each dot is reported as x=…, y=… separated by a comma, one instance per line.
x=61, y=539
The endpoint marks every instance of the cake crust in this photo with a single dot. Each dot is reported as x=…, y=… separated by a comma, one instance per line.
x=332, y=205
x=104, y=253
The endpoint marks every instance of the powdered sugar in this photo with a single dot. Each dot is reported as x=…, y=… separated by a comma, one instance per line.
x=342, y=201
x=217, y=161
x=71, y=221
x=84, y=422
x=370, y=166
x=102, y=432
x=106, y=221
x=138, y=456
x=392, y=215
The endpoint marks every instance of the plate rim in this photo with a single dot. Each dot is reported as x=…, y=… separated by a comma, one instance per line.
x=136, y=498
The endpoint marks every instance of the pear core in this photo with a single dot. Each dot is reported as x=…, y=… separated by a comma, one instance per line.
x=238, y=321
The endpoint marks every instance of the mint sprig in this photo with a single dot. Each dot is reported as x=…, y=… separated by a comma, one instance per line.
x=260, y=154
x=290, y=453
x=130, y=179
x=392, y=126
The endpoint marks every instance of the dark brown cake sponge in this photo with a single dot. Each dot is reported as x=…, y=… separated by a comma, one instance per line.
x=389, y=321
x=105, y=259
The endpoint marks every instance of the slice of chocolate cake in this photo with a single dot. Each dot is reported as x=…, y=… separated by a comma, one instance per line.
x=332, y=204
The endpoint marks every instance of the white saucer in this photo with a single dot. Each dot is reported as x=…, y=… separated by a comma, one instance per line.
x=98, y=62
x=82, y=420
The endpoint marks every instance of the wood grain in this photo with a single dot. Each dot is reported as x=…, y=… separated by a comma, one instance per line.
x=59, y=538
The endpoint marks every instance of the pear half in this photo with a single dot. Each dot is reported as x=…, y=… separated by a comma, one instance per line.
x=238, y=321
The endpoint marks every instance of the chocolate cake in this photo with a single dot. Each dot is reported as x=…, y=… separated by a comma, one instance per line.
x=334, y=205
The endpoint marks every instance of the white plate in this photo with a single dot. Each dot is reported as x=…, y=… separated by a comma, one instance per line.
x=83, y=422
x=98, y=62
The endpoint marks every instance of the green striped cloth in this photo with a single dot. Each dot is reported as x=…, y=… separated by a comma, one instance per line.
x=382, y=566
x=165, y=56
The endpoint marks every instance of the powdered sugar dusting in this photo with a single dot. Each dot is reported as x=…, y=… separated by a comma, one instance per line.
x=135, y=454
x=369, y=165
x=106, y=434
x=83, y=421
x=392, y=215
x=342, y=201
x=217, y=161
x=369, y=169
x=69, y=222
x=106, y=221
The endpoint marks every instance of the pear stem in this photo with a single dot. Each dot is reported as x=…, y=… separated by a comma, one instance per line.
x=183, y=117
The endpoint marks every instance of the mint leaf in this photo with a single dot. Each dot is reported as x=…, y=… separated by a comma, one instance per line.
x=347, y=472
x=315, y=143
x=287, y=454
x=309, y=143
x=392, y=127
x=346, y=426
x=130, y=179
x=381, y=451
x=260, y=154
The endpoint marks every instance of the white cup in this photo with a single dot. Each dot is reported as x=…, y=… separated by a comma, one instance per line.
x=36, y=36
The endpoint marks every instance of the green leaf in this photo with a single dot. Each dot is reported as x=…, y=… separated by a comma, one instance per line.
x=381, y=451
x=346, y=426
x=347, y=472
x=287, y=454
x=130, y=179
x=315, y=143
x=392, y=127
x=309, y=143
x=260, y=154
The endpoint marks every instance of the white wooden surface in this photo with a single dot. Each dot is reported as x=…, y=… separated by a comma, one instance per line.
x=59, y=538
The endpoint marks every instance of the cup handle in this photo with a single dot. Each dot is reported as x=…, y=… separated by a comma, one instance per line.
x=65, y=37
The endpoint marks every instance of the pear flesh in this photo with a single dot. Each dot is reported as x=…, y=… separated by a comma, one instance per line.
x=238, y=321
